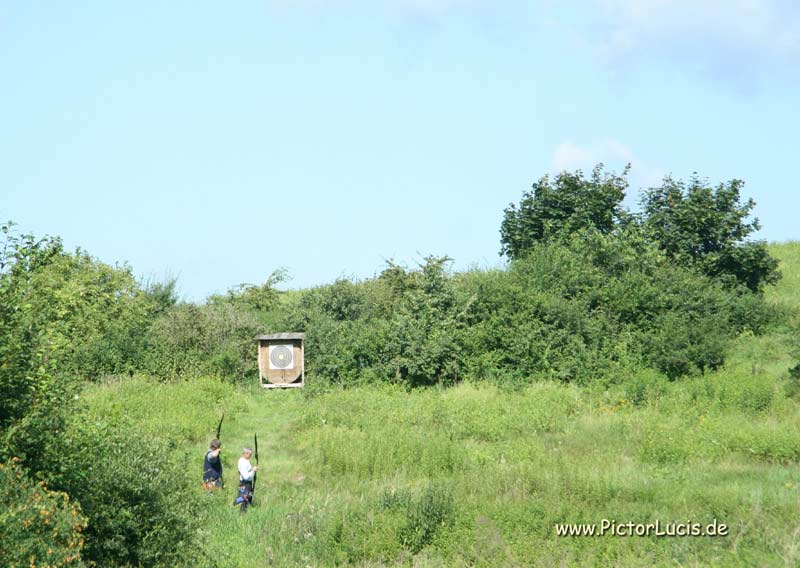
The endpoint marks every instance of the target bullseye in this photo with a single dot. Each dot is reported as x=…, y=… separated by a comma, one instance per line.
x=281, y=357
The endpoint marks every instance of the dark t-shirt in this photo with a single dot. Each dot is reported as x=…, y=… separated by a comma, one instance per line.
x=212, y=467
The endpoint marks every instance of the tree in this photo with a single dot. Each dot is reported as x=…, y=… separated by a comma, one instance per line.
x=561, y=207
x=64, y=316
x=25, y=365
x=707, y=229
x=252, y=296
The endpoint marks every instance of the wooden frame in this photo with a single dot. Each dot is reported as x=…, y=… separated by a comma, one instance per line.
x=271, y=378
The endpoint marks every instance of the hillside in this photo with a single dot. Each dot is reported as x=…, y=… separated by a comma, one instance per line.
x=479, y=474
x=787, y=291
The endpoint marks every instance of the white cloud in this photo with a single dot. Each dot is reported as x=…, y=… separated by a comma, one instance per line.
x=735, y=41
x=754, y=28
x=613, y=153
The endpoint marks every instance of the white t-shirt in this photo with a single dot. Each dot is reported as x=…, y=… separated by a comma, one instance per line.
x=245, y=470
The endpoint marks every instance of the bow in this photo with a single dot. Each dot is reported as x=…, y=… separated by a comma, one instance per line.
x=219, y=429
x=219, y=426
x=255, y=444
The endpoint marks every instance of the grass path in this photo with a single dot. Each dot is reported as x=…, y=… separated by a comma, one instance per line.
x=269, y=416
x=255, y=538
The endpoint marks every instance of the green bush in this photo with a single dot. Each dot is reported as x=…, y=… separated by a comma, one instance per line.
x=131, y=486
x=405, y=327
x=26, y=363
x=68, y=313
x=217, y=338
x=254, y=297
x=134, y=491
x=38, y=526
x=587, y=307
x=97, y=316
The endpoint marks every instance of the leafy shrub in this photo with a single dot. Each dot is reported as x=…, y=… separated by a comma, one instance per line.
x=64, y=316
x=130, y=485
x=680, y=344
x=97, y=315
x=575, y=310
x=68, y=313
x=25, y=361
x=581, y=310
x=38, y=526
x=251, y=296
x=215, y=338
x=405, y=326
x=134, y=492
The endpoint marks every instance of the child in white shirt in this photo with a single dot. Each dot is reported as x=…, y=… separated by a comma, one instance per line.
x=247, y=472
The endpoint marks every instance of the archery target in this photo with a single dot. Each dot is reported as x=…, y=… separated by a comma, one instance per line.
x=281, y=357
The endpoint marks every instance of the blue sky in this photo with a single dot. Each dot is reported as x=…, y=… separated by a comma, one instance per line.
x=220, y=142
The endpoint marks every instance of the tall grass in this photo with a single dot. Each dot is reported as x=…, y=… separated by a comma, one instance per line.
x=787, y=293
x=477, y=476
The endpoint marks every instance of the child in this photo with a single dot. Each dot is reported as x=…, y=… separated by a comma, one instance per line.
x=246, y=473
x=212, y=467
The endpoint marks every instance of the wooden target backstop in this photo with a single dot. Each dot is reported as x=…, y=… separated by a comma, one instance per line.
x=281, y=360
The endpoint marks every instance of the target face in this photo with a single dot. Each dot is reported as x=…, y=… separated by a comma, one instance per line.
x=281, y=357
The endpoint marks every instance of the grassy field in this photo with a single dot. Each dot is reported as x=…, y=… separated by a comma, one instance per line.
x=787, y=292
x=479, y=475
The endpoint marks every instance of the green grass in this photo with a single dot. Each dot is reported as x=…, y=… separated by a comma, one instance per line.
x=787, y=292
x=477, y=475
x=474, y=475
